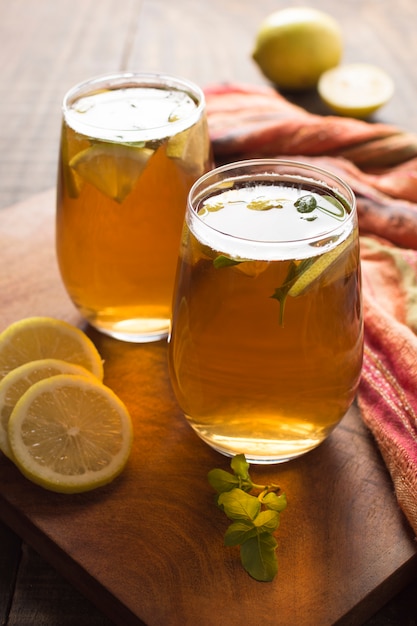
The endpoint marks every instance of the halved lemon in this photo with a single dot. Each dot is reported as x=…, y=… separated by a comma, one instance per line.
x=34, y=338
x=318, y=267
x=356, y=90
x=18, y=381
x=112, y=168
x=69, y=434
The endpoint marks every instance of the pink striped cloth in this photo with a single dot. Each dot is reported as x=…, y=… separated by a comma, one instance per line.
x=380, y=163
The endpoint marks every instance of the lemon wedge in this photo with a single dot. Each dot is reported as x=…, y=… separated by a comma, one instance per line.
x=318, y=267
x=18, y=381
x=192, y=147
x=112, y=168
x=69, y=434
x=34, y=338
x=355, y=90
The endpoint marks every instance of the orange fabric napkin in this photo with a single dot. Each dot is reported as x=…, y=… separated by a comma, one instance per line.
x=380, y=164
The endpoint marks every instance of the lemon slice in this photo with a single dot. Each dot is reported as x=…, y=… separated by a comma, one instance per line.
x=356, y=90
x=69, y=434
x=192, y=147
x=112, y=168
x=71, y=144
x=34, y=338
x=18, y=381
x=318, y=267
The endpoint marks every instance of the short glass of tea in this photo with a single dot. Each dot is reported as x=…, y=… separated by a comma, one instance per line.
x=266, y=345
x=132, y=145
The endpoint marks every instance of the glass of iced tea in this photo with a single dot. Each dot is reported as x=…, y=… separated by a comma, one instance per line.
x=265, y=350
x=132, y=145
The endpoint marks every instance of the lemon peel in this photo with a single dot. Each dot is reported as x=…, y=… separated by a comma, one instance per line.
x=69, y=434
x=33, y=338
x=318, y=267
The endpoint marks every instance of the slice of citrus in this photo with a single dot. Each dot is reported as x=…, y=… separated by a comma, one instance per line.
x=71, y=143
x=192, y=147
x=18, y=381
x=112, y=168
x=356, y=89
x=318, y=267
x=34, y=338
x=69, y=434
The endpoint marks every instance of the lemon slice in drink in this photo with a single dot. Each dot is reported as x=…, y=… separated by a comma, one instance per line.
x=318, y=267
x=356, y=90
x=18, y=381
x=112, y=168
x=69, y=434
x=192, y=147
x=34, y=338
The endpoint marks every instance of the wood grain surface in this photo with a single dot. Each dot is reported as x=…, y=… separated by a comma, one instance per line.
x=148, y=548
x=344, y=545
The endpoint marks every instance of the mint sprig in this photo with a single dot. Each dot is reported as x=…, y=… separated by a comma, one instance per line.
x=255, y=517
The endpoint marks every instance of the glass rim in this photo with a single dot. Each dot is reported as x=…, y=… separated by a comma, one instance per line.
x=120, y=80
x=208, y=181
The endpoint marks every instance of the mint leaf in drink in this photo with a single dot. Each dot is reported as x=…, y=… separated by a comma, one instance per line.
x=306, y=204
x=281, y=292
x=255, y=516
x=224, y=261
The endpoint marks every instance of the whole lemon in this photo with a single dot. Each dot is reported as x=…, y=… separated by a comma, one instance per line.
x=294, y=46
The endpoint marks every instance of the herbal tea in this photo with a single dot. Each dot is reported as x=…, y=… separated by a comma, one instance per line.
x=266, y=345
x=130, y=152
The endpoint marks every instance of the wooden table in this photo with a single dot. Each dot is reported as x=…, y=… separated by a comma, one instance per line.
x=345, y=548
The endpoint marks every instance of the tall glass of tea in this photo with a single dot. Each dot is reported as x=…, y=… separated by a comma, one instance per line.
x=132, y=145
x=265, y=350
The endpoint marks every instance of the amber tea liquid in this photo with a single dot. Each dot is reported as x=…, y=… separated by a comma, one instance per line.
x=131, y=148
x=266, y=345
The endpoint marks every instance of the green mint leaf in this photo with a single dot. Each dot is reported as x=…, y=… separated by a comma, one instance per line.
x=222, y=481
x=306, y=204
x=224, y=261
x=275, y=502
x=238, y=504
x=258, y=557
x=254, y=518
x=239, y=532
x=240, y=466
x=281, y=293
x=267, y=521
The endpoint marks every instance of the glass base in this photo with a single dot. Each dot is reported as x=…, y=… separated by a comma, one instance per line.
x=137, y=330
x=263, y=451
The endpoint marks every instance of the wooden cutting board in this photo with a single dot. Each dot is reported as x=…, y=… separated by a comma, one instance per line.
x=148, y=549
